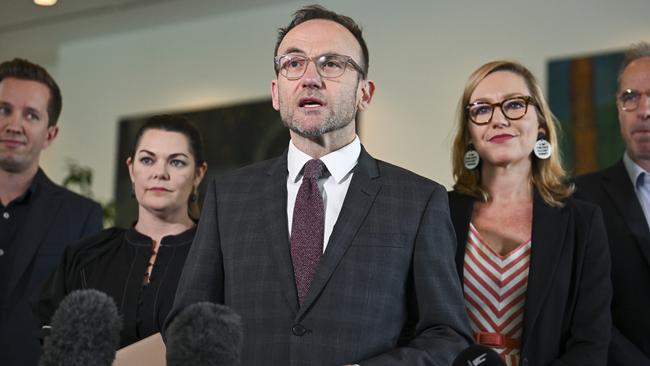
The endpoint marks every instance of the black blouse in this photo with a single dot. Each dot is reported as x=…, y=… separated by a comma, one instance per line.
x=115, y=262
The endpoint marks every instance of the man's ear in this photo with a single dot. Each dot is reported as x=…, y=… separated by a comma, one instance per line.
x=52, y=133
x=367, y=90
x=274, y=94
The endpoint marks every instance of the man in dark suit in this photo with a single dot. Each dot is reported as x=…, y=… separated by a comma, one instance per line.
x=37, y=217
x=330, y=256
x=623, y=193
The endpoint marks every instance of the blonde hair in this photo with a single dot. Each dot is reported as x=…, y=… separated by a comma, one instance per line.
x=547, y=176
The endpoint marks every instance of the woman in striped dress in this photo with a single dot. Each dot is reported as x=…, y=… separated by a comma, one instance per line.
x=533, y=261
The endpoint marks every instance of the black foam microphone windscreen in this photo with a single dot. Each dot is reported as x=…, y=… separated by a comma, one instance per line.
x=477, y=355
x=204, y=334
x=85, y=331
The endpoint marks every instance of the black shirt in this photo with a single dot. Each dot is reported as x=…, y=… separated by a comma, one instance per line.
x=12, y=220
x=115, y=262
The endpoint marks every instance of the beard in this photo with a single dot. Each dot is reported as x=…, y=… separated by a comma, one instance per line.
x=336, y=116
x=11, y=165
x=14, y=164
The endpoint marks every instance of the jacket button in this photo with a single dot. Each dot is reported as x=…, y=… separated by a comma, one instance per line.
x=298, y=330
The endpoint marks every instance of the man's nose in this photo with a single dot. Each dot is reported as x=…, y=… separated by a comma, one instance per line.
x=312, y=78
x=13, y=124
x=644, y=106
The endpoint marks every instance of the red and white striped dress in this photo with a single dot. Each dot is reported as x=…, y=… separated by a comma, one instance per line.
x=495, y=292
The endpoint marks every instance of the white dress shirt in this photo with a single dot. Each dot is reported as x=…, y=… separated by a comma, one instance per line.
x=641, y=182
x=333, y=186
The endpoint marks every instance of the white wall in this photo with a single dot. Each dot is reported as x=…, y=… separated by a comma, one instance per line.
x=421, y=51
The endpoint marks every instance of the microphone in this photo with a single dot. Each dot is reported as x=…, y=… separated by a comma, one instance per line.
x=204, y=334
x=85, y=331
x=477, y=355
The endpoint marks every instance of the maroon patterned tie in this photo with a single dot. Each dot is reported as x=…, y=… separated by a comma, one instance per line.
x=307, y=228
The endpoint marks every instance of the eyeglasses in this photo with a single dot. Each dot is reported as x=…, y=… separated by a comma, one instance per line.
x=629, y=99
x=329, y=66
x=513, y=108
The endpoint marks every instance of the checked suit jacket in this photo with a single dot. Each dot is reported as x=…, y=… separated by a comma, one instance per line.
x=386, y=290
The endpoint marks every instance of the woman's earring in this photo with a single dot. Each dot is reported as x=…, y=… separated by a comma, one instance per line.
x=194, y=196
x=471, y=158
x=543, y=148
x=133, y=190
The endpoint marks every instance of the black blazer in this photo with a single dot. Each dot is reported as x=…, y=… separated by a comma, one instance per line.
x=385, y=292
x=629, y=240
x=56, y=217
x=566, y=313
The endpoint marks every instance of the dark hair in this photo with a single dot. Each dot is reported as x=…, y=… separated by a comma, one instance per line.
x=312, y=12
x=180, y=124
x=635, y=52
x=24, y=70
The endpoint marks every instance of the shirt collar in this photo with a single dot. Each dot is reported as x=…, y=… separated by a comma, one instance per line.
x=33, y=187
x=339, y=163
x=136, y=238
x=633, y=169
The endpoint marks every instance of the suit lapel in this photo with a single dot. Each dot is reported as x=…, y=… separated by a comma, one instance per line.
x=276, y=227
x=461, y=207
x=358, y=200
x=43, y=208
x=548, y=232
x=617, y=184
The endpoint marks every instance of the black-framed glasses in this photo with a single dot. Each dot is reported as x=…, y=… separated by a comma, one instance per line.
x=512, y=108
x=328, y=66
x=629, y=99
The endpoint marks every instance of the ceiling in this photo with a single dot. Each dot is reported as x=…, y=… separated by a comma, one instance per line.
x=27, y=29
x=23, y=14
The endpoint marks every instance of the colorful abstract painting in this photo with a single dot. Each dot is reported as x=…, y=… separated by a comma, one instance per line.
x=582, y=95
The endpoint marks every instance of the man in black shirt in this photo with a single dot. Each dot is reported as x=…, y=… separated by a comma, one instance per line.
x=37, y=217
